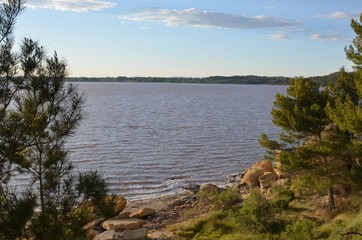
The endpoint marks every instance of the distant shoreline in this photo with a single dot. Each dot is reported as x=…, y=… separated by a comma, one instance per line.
x=248, y=79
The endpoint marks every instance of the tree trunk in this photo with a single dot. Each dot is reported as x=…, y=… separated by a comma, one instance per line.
x=331, y=203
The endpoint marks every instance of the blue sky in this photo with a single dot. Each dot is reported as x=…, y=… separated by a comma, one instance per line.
x=193, y=38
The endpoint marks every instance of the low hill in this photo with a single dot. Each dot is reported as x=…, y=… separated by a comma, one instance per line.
x=249, y=79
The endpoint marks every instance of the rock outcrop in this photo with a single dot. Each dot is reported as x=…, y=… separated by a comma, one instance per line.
x=209, y=187
x=266, y=165
x=134, y=234
x=262, y=174
x=107, y=235
x=267, y=179
x=119, y=201
x=143, y=212
x=124, y=224
x=252, y=176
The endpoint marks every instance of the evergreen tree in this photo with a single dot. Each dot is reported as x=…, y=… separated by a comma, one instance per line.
x=38, y=112
x=354, y=52
x=334, y=116
x=301, y=112
x=345, y=109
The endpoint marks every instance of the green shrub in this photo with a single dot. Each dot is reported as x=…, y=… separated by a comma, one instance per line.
x=220, y=200
x=281, y=197
x=299, y=230
x=213, y=226
x=257, y=214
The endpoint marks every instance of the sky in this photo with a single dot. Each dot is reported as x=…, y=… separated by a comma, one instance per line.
x=193, y=38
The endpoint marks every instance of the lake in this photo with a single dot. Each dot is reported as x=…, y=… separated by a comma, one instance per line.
x=149, y=139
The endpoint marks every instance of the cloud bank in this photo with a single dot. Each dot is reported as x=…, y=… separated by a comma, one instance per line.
x=338, y=15
x=71, y=5
x=334, y=37
x=204, y=19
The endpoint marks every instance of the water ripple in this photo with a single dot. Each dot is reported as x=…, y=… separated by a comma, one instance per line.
x=150, y=139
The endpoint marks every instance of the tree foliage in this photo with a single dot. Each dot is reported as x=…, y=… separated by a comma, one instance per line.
x=322, y=128
x=300, y=113
x=38, y=112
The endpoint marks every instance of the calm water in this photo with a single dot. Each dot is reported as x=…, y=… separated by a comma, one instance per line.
x=149, y=139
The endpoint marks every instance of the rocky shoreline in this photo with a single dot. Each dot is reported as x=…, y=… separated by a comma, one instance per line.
x=148, y=218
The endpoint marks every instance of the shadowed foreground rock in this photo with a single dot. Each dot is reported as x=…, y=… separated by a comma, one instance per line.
x=124, y=224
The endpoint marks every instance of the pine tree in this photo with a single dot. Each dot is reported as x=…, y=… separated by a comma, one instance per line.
x=301, y=112
x=354, y=52
x=334, y=116
x=38, y=112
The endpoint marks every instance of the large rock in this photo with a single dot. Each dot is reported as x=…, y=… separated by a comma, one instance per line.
x=123, y=215
x=193, y=187
x=267, y=179
x=209, y=187
x=93, y=224
x=119, y=201
x=90, y=234
x=177, y=202
x=107, y=235
x=252, y=176
x=155, y=234
x=124, y=224
x=134, y=234
x=143, y=212
x=265, y=164
x=159, y=235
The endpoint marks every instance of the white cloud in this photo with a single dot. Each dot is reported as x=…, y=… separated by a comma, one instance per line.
x=71, y=5
x=204, y=19
x=334, y=37
x=279, y=36
x=338, y=15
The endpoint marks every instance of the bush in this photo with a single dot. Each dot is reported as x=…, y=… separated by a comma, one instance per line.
x=281, y=197
x=299, y=230
x=223, y=200
x=257, y=214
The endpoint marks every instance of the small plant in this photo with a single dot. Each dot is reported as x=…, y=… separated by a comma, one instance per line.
x=281, y=197
x=258, y=215
x=299, y=230
x=223, y=200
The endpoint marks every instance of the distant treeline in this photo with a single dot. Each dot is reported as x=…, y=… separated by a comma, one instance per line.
x=250, y=79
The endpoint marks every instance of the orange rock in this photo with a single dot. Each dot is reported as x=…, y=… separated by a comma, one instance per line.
x=143, y=212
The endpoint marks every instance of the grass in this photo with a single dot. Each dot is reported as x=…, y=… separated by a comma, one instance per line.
x=297, y=220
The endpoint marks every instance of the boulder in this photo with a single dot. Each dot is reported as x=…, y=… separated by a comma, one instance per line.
x=155, y=234
x=93, y=224
x=159, y=235
x=143, y=212
x=123, y=215
x=124, y=224
x=252, y=176
x=177, y=202
x=90, y=234
x=134, y=234
x=120, y=203
x=265, y=164
x=107, y=235
x=192, y=187
x=209, y=187
x=267, y=179
x=234, y=178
